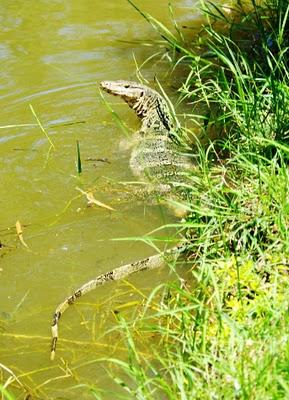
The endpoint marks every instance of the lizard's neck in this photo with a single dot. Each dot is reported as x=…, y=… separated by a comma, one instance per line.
x=153, y=112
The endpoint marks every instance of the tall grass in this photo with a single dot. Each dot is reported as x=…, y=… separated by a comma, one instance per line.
x=223, y=333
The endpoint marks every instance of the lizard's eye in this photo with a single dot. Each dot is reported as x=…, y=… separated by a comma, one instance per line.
x=126, y=86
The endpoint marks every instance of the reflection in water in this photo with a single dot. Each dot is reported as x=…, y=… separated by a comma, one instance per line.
x=53, y=54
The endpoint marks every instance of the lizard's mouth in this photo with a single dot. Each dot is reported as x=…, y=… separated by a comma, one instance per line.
x=105, y=85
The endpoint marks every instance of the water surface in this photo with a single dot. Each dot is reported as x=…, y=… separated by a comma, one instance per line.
x=53, y=54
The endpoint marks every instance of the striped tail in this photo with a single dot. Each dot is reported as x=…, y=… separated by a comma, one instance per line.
x=150, y=263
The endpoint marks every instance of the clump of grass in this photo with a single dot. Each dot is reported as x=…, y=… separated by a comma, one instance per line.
x=224, y=334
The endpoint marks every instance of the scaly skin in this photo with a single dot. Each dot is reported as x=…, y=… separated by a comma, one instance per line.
x=154, y=156
x=146, y=264
x=148, y=104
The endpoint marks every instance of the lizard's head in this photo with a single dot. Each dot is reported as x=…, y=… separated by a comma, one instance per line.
x=130, y=92
x=148, y=104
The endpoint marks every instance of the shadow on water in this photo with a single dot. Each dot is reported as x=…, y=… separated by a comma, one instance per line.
x=54, y=56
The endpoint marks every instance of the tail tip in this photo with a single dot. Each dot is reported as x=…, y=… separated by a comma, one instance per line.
x=52, y=355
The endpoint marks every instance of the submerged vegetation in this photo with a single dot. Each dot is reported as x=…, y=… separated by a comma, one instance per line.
x=224, y=332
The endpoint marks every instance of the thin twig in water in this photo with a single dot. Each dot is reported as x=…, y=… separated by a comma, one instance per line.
x=91, y=199
x=19, y=232
x=12, y=377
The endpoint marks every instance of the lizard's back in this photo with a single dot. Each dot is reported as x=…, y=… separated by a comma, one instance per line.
x=155, y=155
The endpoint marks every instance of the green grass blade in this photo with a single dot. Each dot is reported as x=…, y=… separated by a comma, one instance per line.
x=78, y=158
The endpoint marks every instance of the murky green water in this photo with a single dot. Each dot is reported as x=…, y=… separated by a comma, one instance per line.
x=53, y=54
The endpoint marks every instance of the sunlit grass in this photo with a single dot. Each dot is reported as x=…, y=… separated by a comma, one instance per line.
x=223, y=332
x=5, y=393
